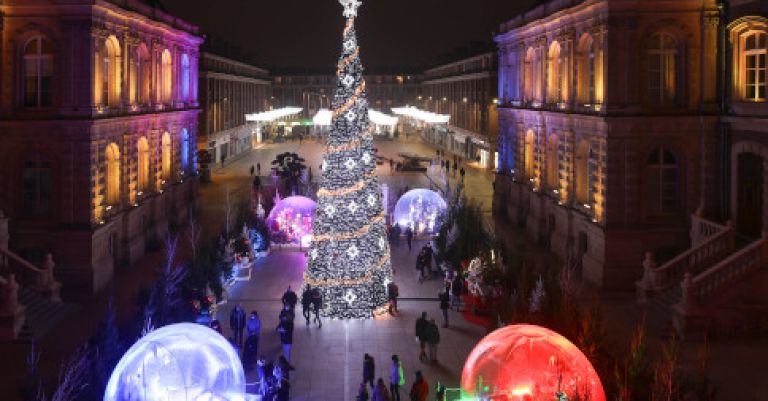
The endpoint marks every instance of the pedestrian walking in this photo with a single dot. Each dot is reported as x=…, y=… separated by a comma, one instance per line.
x=457, y=291
x=392, y=293
x=398, y=232
x=317, y=304
x=461, y=173
x=420, y=266
x=421, y=335
x=420, y=388
x=290, y=299
x=433, y=339
x=369, y=370
x=237, y=324
x=380, y=393
x=429, y=254
x=362, y=392
x=285, y=328
x=445, y=303
x=306, y=303
x=283, y=369
x=252, y=170
x=396, y=378
x=258, y=169
x=287, y=314
x=409, y=237
x=252, y=332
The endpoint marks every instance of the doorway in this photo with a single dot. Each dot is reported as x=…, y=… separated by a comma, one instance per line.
x=749, y=196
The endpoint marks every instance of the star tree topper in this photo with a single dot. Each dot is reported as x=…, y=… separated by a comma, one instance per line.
x=350, y=7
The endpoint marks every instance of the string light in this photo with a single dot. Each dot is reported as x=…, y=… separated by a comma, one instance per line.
x=347, y=262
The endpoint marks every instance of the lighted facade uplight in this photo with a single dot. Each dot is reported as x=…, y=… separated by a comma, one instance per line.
x=272, y=115
x=421, y=115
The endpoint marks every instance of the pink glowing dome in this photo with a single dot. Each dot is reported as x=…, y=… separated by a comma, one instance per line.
x=525, y=362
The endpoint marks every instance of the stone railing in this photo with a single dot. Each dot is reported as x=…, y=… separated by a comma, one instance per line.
x=698, y=258
x=747, y=260
x=702, y=229
x=40, y=279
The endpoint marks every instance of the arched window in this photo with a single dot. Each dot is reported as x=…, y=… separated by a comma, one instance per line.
x=108, y=73
x=528, y=75
x=143, y=80
x=662, y=183
x=112, y=174
x=143, y=164
x=553, y=171
x=166, y=74
x=582, y=173
x=185, y=77
x=36, y=186
x=755, y=50
x=662, y=59
x=184, y=150
x=165, y=154
x=38, y=73
x=554, y=70
x=530, y=149
x=587, y=69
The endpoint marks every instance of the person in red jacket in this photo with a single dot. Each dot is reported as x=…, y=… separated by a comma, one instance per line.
x=420, y=388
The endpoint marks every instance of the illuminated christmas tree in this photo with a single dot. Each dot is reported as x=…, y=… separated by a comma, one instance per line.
x=349, y=257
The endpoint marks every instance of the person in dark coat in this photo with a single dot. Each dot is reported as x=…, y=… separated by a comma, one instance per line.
x=444, y=305
x=420, y=264
x=409, y=237
x=287, y=313
x=432, y=337
x=306, y=303
x=317, y=304
x=362, y=393
x=290, y=298
x=392, y=293
x=421, y=335
x=285, y=328
x=461, y=173
x=457, y=291
x=237, y=324
x=252, y=332
x=283, y=391
x=369, y=369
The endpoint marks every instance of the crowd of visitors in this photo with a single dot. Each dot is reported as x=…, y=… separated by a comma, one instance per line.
x=381, y=392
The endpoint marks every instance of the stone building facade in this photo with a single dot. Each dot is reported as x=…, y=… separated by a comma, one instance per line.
x=467, y=91
x=98, y=122
x=313, y=92
x=229, y=90
x=608, y=127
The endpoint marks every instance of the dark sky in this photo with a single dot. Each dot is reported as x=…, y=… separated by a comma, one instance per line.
x=306, y=34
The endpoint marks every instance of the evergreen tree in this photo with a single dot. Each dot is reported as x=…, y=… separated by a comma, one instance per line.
x=349, y=260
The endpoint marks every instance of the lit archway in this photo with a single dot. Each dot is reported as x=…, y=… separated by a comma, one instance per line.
x=529, y=156
x=112, y=174
x=165, y=155
x=143, y=164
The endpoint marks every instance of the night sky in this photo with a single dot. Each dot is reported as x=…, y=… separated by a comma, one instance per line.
x=305, y=35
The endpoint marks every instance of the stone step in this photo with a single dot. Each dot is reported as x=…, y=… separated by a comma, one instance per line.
x=41, y=315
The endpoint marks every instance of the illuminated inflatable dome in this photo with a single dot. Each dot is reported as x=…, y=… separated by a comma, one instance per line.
x=525, y=363
x=179, y=362
x=421, y=210
x=290, y=221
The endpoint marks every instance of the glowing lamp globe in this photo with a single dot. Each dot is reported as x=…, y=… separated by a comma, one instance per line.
x=179, y=362
x=290, y=221
x=525, y=363
x=420, y=210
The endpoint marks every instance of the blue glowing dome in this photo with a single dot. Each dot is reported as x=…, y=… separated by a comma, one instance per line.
x=421, y=210
x=179, y=362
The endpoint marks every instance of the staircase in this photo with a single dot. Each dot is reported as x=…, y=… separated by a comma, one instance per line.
x=42, y=315
x=675, y=293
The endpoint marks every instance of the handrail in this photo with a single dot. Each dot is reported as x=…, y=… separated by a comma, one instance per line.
x=696, y=258
x=751, y=258
x=6, y=253
x=702, y=229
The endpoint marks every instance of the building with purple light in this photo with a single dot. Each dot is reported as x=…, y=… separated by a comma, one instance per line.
x=98, y=121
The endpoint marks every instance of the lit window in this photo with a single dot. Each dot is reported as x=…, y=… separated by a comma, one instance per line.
x=38, y=73
x=553, y=172
x=554, y=90
x=166, y=156
x=143, y=167
x=755, y=66
x=112, y=174
x=583, y=173
x=662, y=69
x=185, y=77
x=530, y=149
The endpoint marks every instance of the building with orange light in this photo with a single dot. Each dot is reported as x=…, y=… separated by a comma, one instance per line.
x=98, y=122
x=608, y=127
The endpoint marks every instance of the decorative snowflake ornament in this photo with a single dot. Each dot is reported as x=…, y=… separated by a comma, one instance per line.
x=371, y=200
x=353, y=207
x=366, y=158
x=350, y=7
x=330, y=210
x=348, y=81
x=353, y=252
x=351, y=115
x=350, y=297
x=350, y=164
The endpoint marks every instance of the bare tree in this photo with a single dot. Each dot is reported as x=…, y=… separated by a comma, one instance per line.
x=229, y=209
x=72, y=376
x=194, y=232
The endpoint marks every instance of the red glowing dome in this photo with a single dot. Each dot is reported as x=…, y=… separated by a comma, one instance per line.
x=525, y=362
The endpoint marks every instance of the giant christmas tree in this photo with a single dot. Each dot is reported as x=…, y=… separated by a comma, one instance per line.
x=349, y=256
